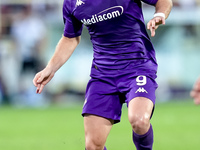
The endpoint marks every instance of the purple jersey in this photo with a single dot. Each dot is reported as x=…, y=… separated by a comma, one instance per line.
x=117, y=31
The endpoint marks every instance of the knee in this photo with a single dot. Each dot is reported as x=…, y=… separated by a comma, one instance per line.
x=94, y=144
x=140, y=123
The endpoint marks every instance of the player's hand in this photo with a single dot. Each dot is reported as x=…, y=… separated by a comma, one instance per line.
x=42, y=78
x=153, y=24
x=195, y=93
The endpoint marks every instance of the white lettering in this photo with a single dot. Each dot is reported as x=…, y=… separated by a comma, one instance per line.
x=96, y=18
x=84, y=21
x=141, y=80
x=109, y=15
x=102, y=16
x=93, y=20
x=115, y=14
x=88, y=21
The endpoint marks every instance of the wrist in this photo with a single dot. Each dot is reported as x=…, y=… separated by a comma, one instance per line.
x=51, y=68
x=160, y=14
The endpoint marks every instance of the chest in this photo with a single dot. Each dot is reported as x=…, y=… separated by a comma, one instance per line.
x=93, y=11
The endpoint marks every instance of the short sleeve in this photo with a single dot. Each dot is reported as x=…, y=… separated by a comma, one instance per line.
x=73, y=27
x=150, y=2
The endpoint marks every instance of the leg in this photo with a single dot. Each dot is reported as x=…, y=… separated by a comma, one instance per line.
x=96, y=131
x=139, y=113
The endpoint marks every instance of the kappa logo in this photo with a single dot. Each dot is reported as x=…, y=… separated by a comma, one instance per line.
x=79, y=2
x=141, y=90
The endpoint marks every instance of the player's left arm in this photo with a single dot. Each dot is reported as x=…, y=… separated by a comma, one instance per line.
x=162, y=11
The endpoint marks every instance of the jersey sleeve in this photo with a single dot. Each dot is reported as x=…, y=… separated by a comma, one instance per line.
x=73, y=27
x=150, y=2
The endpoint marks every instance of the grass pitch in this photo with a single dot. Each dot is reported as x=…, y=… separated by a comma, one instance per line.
x=176, y=127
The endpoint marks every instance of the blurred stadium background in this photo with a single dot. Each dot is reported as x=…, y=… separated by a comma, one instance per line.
x=29, y=32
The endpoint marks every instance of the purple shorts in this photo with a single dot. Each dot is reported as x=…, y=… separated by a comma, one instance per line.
x=106, y=95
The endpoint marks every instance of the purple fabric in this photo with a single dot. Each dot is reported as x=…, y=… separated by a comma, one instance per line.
x=151, y=2
x=105, y=96
x=117, y=30
x=144, y=142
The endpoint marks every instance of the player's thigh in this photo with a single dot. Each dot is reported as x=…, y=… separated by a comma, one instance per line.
x=139, y=113
x=140, y=106
x=141, y=97
x=96, y=129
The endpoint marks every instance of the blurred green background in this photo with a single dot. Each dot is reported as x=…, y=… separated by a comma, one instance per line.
x=29, y=32
x=176, y=127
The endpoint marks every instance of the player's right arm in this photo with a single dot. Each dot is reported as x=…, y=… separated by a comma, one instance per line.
x=195, y=92
x=63, y=51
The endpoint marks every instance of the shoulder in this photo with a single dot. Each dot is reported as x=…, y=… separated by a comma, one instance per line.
x=69, y=4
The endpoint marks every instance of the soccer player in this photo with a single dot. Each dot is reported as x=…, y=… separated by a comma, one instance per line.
x=195, y=93
x=123, y=69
